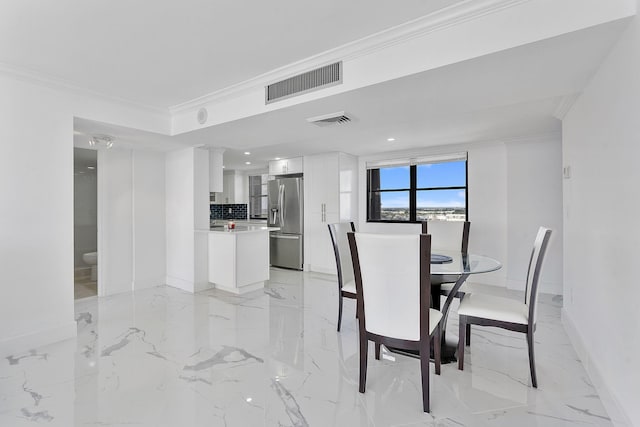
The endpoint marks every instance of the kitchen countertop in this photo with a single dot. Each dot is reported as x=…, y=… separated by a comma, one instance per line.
x=249, y=228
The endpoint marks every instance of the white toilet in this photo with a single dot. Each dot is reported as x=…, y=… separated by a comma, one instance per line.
x=91, y=258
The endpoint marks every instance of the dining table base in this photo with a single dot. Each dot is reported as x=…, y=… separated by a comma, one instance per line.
x=449, y=347
x=448, y=352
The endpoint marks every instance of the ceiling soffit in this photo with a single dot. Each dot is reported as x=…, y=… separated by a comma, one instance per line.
x=456, y=14
x=497, y=25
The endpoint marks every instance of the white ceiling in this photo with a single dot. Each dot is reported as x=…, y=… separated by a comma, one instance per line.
x=164, y=52
x=509, y=94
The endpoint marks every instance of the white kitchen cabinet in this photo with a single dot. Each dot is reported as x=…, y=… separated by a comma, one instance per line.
x=216, y=169
x=239, y=260
x=330, y=191
x=286, y=166
x=235, y=188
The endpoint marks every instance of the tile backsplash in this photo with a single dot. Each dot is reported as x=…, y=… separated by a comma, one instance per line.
x=228, y=211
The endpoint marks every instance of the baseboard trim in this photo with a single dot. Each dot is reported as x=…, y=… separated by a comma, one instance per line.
x=148, y=283
x=316, y=269
x=181, y=284
x=615, y=410
x=242, y=289
x=24, y=343
x=543, y=287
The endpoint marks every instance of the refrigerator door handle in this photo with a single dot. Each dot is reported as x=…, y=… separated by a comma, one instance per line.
x=285, y=236
x=281, y=203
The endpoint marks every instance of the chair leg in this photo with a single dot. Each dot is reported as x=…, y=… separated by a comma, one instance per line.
x=461, y=341
x=378, y=345
x=436, y=348
x=339, y=309
x=424, y=368
x=364, y=351
x=532, y=359
x=468, y=341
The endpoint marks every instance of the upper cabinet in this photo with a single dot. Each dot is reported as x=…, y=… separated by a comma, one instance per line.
x=215, y=170
x=286, y=166
x=235, y=189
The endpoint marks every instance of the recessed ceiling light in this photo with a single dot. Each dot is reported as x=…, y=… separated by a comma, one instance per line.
x=223, y=166
x=277, y=158
x=246, y=153
x=249, y=400
x=91, y=167
x=391, y=139
x=247, y=163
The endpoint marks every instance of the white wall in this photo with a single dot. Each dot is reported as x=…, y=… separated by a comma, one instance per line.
x=149, y=225
x=115, y=219
x=131, y=209
x=503, y=222
x=180, y=224
x=534, y=199
x=201, y=216
x=601, y=136
x=187, y=211
x=36, y=170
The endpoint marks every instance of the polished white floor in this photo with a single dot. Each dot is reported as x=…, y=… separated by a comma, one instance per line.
x=162, y=357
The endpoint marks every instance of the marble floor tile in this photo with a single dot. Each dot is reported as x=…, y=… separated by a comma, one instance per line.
x=163, y=357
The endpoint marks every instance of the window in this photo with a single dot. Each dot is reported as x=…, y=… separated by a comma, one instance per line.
x=258, y=199
x=414, y=190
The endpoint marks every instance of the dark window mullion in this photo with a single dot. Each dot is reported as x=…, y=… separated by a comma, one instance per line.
x=466, y=190
x=413, y=182
x=440, y=188
x=390, y=190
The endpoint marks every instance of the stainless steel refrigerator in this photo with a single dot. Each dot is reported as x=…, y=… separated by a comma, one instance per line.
x=286, y=212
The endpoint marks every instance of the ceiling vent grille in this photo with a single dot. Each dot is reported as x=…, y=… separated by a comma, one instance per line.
x=320, y=78
x=339, y=118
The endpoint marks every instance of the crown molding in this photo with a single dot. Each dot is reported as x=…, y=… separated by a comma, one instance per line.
x=564, y=105
x=41, y=79
x=445, y=148
x=448, y=17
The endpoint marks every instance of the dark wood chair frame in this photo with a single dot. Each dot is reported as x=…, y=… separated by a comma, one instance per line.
x=528, y=329
x=336, y=251
x=423, y=346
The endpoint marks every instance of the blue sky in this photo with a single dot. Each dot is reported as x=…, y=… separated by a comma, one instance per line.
x=447, y=174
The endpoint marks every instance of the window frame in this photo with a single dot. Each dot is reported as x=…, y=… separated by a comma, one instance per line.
x=253, y=198
x=413, y=192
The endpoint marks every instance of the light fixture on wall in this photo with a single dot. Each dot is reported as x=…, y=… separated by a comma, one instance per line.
x=101, y=141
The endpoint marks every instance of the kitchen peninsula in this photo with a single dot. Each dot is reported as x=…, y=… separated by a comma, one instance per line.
x=239, y=258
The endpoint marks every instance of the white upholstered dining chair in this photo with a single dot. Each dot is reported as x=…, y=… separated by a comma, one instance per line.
x=393, y=287
x=344, y=267
x=506, y=313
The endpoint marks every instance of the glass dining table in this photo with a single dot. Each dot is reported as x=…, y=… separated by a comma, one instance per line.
x=453, y=267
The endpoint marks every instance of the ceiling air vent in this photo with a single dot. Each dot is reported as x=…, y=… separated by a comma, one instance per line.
x=338, y=118
x=320, y=78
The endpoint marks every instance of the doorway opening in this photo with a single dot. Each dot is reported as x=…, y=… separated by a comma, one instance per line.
x=85, y=223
